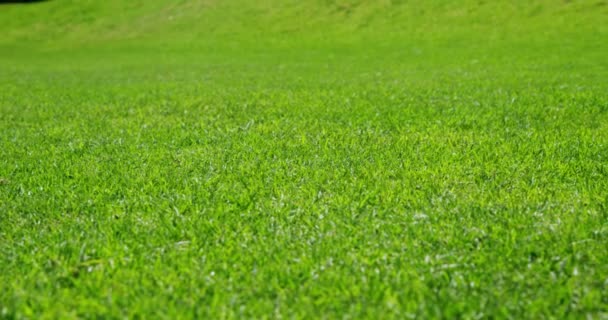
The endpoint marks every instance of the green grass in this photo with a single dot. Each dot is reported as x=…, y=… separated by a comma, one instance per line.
x=318, y=159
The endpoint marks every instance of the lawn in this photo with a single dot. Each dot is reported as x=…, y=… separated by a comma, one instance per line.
x=304, y=159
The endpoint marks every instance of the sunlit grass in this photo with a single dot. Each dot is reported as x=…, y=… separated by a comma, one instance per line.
x=365, y=174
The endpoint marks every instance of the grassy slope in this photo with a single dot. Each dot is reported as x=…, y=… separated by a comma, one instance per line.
x=287, y=158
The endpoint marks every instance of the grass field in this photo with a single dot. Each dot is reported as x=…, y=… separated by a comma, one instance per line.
x=315, y=159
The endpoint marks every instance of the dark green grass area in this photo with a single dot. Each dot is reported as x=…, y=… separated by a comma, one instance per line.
x=447, y=165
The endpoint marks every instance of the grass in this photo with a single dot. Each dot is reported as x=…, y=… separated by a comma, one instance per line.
x=345, y=159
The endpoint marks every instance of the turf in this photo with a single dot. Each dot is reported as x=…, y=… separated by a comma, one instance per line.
x=318, y=159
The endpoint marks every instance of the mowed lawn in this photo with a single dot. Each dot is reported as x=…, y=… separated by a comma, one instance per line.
x=318, y=159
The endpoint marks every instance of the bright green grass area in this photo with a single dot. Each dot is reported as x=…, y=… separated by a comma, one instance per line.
x=334, y=159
